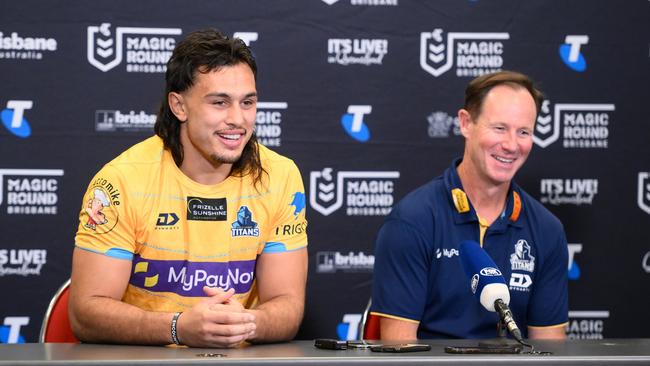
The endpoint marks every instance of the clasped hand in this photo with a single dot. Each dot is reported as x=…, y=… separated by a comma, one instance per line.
x=216, y=321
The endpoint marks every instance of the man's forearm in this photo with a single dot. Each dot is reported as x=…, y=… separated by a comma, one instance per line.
x=106, y=320
x=277, y=319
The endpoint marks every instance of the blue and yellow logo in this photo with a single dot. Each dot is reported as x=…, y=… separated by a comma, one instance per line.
x=245, y=226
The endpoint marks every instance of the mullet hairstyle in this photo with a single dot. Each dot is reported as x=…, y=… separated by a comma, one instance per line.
x=481, y=86
x=205, y=51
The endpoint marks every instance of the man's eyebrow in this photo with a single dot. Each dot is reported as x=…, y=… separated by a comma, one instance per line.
x=226, y=95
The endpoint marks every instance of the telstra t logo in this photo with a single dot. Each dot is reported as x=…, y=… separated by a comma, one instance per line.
x=574, y=270
x=352, y=122
x=570, y=52
x=13, y=117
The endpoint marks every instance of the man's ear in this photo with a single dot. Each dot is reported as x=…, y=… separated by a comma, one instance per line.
x=465, y=120
x=177, y=105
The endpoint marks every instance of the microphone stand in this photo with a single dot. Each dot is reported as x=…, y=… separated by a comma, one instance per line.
x=501, y=341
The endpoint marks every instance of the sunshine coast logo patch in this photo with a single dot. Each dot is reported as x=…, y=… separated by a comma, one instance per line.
x=147, y=49
x=357, y=51
x=583, y=126
x=207, y=209
x=364, y=193
x=30, y=191
x=268, y=122
x=244, y=225
x=475, y=53
x=568, y=191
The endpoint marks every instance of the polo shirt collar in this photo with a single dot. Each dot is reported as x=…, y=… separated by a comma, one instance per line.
x=464, y=211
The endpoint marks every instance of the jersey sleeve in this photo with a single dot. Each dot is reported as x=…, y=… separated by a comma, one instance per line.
x=549, y=304
x=105, y=223
x=400, y=272
x=289, y=229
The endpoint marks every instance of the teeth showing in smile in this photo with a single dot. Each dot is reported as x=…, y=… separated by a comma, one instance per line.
x=231, y=137
x=504, y=160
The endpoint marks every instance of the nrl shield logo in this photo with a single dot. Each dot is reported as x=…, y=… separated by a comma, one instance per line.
x=432, y=53
x=547, y=128
x=644, y=191
x=104, y=50
x=323, y=195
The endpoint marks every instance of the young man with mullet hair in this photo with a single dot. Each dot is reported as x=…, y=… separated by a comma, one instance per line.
x=192, y=248
x=420, y=289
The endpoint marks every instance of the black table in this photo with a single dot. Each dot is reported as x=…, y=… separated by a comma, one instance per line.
x=571, y=352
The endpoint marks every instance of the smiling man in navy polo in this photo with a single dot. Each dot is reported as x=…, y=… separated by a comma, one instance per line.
x=420, y=289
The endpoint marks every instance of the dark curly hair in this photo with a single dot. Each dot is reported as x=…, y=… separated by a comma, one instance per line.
x=204, y=51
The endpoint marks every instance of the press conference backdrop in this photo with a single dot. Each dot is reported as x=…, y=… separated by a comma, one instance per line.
x=363, y=95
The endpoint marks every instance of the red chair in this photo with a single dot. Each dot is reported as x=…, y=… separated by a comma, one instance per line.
x=56, y=324
x=369, y=324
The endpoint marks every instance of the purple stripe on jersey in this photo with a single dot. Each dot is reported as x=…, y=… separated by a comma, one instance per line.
x=188, y=278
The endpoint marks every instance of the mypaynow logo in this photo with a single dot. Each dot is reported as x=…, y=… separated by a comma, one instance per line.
x=188, y=278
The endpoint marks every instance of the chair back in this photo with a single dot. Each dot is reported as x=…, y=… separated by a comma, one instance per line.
x=369, y=324
x=56, y=323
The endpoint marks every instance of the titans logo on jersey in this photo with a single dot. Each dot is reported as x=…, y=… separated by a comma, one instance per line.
x=244, y=225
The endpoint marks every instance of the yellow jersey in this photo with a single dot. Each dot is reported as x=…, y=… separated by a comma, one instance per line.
x=181, y=235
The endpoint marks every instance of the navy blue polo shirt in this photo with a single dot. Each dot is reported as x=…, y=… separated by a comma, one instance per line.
x=418, y=275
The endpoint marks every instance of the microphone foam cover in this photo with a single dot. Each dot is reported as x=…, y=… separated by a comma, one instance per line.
x=486, y=280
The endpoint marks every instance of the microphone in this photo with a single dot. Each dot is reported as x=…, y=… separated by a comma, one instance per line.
x=488, y=284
